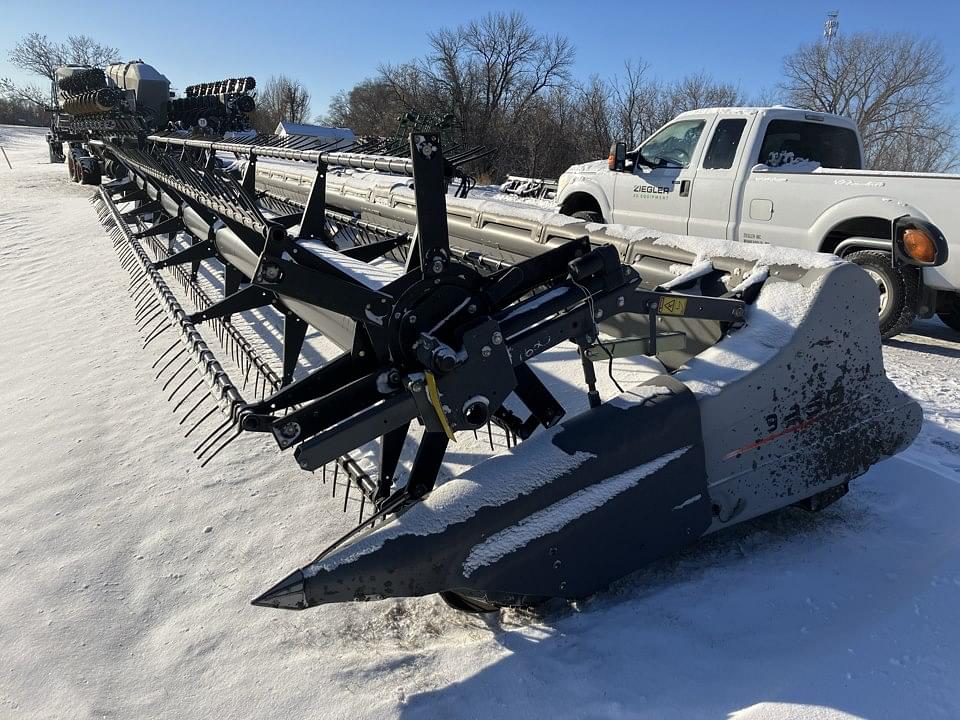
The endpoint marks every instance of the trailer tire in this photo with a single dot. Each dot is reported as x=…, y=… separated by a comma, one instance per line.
x=71, y=167
x=90, y=173
x=948, y=309
x=899, y=290
x=588, y=216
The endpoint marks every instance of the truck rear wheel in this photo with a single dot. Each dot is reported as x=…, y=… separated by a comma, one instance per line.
x=948, y=309
x=899, y=290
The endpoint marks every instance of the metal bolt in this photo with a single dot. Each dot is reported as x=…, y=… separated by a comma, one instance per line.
x=621, y=302
x=471, y=308
x=271, y=273
x=416, y=386
x=598, y=314
x=486, y=351
x=496, y=338
x=556, y=564
x=563, y=585
x=411, y=319
x=437, y=266
x=738, y=312
x=290, y=430
x=552, y=551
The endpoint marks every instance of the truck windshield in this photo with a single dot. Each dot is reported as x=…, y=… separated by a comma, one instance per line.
x=788, y=142
x=673, y=146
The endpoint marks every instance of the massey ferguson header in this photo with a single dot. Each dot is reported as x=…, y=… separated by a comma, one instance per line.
x=759, y=381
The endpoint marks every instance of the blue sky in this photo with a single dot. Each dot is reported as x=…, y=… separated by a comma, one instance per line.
x=330, y=46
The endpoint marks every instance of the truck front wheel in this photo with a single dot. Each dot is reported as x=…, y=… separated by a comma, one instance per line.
x=948, y=309
x=899, y=290
x=588, y=216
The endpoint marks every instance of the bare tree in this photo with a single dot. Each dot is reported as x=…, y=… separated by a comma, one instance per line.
x=84, y=50
x=700, y=90
x=638, y=105
x=893, y=86
x=19, y=92
x=508, y=86
x=594, y=110
x=489, y=74
x=369, y=108
x=281, y=98
x=18, y=112
x=38, y=55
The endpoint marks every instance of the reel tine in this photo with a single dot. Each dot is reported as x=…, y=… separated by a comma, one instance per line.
x=222, y=446
x=144, y=292
x=179, y=370
x=147, y=306
x=218, y=431
x=170, y=361
x=189, y=393
x=150, y=319
x=136, y=282
x=182, y=383
x=199, y=403
x=157, y=334
x=165, y=352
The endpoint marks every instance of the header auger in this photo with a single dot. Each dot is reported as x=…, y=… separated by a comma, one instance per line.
x=762, y=387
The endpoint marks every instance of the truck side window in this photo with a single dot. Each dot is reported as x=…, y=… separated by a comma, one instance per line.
x=789, y=142
x=723, y=145
x=673, y=146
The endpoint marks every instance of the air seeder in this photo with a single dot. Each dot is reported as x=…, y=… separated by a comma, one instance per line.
x=763, y=382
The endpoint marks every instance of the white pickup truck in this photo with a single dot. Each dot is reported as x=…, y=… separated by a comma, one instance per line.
x=786, y=177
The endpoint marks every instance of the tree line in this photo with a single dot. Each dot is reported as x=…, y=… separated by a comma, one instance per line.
x=508, y=86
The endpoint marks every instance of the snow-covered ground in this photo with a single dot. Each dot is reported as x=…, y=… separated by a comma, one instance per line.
x=127, y=569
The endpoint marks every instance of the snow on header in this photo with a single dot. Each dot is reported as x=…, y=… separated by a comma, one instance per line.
x=403, y=187
x=706, y=248
x=771, y=322
x=491, y=483
x=557, y=516
x=703, y=248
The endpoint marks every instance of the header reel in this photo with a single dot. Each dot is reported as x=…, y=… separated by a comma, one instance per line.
x=438, y=340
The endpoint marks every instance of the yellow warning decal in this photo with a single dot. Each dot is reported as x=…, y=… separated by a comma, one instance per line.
x=672, y=305
x=433, y=393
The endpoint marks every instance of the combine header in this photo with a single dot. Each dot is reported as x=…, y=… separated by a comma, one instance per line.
x=764, y=382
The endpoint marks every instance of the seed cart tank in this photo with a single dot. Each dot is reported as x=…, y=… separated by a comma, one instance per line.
x=150, y=87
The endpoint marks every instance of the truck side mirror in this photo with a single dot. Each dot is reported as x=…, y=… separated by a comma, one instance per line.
x=618, y=156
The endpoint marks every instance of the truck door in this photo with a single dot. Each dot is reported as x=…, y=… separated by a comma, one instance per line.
x=657, y=193
x=717, y=189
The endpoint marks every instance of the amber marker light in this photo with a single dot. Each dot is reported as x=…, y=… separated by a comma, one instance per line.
x=919, y=245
